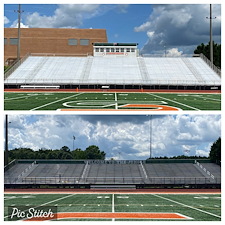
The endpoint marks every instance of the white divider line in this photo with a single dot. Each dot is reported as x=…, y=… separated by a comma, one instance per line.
x=58, y=199
x=56, y=101
x=191, y=207
x=174, y=101
x=113, y=208
x=116, y=103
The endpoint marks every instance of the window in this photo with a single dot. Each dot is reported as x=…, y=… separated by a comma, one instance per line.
x=72, y=41
x=101, y=49
x=132, y=50
x=128, y=49
x=112, y=49
x=5, y=41
x=117, y=50
x=107, y=49
x=13, y=41
x=97, y=50
x=84, y=41
x=122, y=49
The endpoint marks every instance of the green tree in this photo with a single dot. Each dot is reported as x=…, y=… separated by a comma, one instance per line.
x=93, y=152
x=79, y=154
x=205, y=50
x=215, y=152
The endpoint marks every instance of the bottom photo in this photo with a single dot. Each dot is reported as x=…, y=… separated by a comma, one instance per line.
x=164, y=167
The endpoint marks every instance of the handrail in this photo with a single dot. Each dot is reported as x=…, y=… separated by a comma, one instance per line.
x=8, y=72
x=210, y=64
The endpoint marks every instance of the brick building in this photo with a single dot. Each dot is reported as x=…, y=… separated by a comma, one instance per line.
x=51, y=40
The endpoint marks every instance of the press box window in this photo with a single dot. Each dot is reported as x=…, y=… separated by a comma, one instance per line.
x=72, y=41
x=13, y=41
x=5, y=41
x=84, y=41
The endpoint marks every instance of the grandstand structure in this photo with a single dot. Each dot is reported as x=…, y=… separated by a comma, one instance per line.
x=112, y=174
x=114, y=66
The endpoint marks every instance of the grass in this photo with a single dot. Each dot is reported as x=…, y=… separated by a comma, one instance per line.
x=110, y=101
x=196, y=207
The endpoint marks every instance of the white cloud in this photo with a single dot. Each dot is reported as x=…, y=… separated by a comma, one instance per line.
x=179, y=26
x=171, y=135
x=6, y=20
x=66, y=15
x=173, y=52
x=15, y=25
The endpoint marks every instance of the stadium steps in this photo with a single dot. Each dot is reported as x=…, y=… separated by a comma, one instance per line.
x=40, y=62
x=143, y=69
x=86, y=69
x=193, y=70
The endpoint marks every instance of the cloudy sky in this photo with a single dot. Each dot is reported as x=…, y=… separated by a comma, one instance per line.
x=120, y=136
x=177, y=28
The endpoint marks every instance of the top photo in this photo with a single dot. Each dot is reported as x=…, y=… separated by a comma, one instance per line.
x=112, y=57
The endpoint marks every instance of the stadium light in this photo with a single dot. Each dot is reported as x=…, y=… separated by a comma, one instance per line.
x=73, y=141
x=6, y=140
x=150, y=136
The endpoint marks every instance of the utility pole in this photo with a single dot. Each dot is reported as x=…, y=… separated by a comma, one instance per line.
x=6, y=140
x=150, y=137
x=211, y=34
x=18, y=35
x=73, y=141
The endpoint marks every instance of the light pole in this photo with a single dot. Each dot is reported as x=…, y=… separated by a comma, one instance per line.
x=6, y=140
x=211, y=34
x=18, y=36
x=73, y=141
x=150, y=136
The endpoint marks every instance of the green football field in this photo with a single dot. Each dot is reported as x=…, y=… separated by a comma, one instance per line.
x=116, y=207
x=67, y=101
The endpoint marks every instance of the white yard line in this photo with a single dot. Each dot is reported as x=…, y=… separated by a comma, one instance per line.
x=174, y=101
x=67, y=196
x=219, y=100
x=116, y=101
x=113, y=207
x=55, y=101
x=191, y=207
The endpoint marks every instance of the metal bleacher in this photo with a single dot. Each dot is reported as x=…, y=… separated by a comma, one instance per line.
x=107, y=172
x=55, y=70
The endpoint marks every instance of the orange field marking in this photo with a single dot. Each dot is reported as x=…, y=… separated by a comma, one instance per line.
x=107, y=215
x=134, y=107
x=152, y=107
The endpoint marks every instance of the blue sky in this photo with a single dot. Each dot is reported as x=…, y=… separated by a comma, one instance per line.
x=120, y=136
x=179, y=27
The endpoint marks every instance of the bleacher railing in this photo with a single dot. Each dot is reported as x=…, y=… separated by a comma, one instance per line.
x=113, y=180
x=110, y=82
x=210, y=64
x=15, y=66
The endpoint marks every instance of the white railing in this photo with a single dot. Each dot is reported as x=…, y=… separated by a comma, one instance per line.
x=210, y=64
x=15, y=66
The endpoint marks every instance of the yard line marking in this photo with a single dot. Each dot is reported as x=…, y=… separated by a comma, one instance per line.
x=67, y=196
x=219, y=100
x=55, y=101
x=191, y=207
x=174, y=101
x=116, y=100
x=113, y=209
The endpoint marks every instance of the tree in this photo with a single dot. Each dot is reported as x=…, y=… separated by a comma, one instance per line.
x=65, y=148
x=93, y=152
x=215, y=152
x=205, y=50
